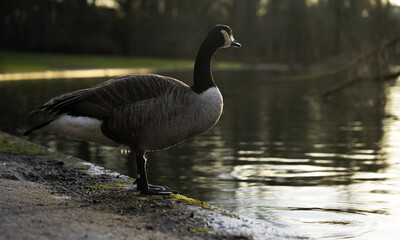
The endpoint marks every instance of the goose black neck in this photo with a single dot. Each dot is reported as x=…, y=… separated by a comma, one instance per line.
x=203, y=78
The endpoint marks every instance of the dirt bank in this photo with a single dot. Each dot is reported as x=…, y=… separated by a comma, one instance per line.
x=47, y=195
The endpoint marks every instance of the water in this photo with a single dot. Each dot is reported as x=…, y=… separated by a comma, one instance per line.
x=279, y=153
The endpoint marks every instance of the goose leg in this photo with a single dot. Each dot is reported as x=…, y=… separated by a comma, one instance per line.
x=142, y=183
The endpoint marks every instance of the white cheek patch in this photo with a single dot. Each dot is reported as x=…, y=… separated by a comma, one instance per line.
x=228, y=40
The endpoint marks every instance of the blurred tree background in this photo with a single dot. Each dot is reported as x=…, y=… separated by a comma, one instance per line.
x=285, y=31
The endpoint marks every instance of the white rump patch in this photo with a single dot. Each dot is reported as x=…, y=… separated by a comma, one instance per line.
x=83, y=128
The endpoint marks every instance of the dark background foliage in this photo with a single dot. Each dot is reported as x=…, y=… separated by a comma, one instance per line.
x=288, y=31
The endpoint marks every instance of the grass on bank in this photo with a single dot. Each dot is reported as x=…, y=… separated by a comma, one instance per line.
x=11, y=62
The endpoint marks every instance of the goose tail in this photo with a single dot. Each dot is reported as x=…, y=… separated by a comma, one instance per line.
x=37, y=127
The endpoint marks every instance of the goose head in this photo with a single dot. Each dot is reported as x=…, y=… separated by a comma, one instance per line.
x=222, y=36
x=219, y=36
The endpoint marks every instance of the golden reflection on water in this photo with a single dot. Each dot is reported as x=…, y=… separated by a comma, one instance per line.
x=391, y=138
x=83, y=73
x=386, y=193
x=310, y=193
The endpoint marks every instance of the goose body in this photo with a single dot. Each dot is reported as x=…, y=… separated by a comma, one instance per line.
x=146, y=112
x=108, y=114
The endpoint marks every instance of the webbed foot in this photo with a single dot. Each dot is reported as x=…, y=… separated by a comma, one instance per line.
x=153, y=189
x=157, y=190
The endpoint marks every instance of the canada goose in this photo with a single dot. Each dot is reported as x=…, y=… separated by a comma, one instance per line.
x=143, y=112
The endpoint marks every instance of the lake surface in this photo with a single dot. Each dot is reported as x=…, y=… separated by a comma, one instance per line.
x=279, y=153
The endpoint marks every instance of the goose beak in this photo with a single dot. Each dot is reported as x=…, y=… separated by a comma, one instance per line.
x=235, y=44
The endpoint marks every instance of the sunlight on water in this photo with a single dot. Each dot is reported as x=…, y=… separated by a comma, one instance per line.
x=346, y=156
x=84, y=73
x=324, y=194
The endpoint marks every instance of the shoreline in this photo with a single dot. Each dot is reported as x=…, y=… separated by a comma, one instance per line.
x=49, y=195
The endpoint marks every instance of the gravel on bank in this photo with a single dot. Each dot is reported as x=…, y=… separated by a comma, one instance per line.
x=47, y=195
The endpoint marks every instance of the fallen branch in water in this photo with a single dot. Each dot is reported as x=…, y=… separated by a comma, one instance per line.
x=361, y=59
x=345, y=84
x=351, y=64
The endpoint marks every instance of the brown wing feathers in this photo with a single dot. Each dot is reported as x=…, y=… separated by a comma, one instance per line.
x=100, y=100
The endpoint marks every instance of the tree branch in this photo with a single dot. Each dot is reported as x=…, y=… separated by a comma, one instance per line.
x=348, y=83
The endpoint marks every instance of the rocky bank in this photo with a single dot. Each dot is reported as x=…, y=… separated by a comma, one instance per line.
x=47, y=195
